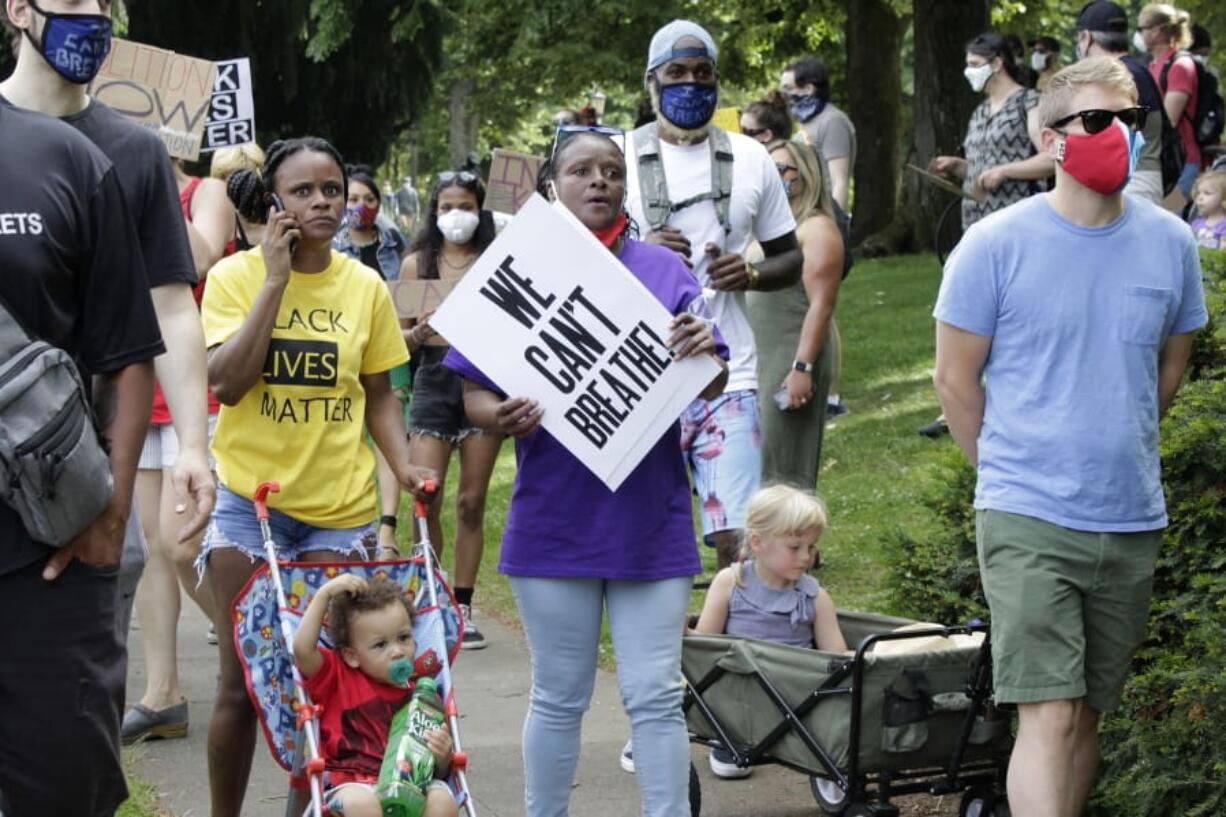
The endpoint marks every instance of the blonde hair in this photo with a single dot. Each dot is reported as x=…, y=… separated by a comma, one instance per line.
x=228, y=161
x=1106, y=72
x=1214, y=178
x=812, y=168
x=1176, y=25
x=781, y=510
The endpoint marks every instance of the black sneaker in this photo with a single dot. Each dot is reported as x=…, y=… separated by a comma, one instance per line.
x=937, y=428
x=472, y=639
x=835, y=408
x=723, y=765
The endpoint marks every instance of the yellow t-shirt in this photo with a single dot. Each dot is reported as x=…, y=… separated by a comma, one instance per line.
x=301, y=423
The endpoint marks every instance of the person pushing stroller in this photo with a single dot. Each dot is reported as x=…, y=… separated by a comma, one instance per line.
x=371, y=624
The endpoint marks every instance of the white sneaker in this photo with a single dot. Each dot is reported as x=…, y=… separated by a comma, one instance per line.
x=472, y=638
x=626, y=759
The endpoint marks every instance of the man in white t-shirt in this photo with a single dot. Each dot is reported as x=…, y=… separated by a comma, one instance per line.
x=707, y=194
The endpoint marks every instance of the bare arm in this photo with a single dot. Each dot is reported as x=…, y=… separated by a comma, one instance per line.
x=840, y=178
x=385, y=420
x=121, y=403
x=182, y=372
x=1171, y=362
x=826, y=632
x=1175, y=102
x=212, y=224
x=235, y=365
x=714, y=616
x=823, y=273
x=961, y=357
x=306, y=640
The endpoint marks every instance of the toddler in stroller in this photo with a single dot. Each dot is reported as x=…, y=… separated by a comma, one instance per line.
x=371, y=627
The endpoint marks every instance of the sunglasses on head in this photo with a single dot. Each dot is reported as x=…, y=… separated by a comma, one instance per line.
x=466, y=176
x=1096, y=120
x=615, y=135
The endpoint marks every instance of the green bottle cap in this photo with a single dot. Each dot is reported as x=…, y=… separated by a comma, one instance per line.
x=427, y=684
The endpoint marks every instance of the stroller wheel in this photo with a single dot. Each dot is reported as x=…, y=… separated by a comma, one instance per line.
x=695, y=792
x=977, y=802
x=829, y=795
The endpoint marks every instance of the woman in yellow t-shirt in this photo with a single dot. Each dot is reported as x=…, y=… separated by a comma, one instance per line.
x=300, y=340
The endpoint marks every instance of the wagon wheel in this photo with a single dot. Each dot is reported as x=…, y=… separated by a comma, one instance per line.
x=695, y=792
x=830, y=796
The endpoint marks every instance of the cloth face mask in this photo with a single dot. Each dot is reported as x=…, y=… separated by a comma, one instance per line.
x=688, y=105
x=1101, y=161
x=804, y=107
x=458, y=226
x=361, y=217
x=75, y=45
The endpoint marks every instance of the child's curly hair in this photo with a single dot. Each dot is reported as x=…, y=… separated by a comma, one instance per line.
x=380, y=592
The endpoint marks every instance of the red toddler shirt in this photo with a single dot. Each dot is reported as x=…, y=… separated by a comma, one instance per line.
x=357, y=714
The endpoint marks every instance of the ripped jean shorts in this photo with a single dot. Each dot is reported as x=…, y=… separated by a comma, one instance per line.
x=437, y=409
x=234, y=525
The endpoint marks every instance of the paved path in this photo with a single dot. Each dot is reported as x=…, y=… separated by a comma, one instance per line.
x=491, y=689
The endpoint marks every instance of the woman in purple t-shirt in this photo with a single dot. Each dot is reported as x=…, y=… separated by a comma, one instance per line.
x=572, y=547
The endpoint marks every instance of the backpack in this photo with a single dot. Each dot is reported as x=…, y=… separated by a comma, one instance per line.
x=53, y=470
x=653, y=186
x=1210, y=110
x=1171, y=156
x=843, y=220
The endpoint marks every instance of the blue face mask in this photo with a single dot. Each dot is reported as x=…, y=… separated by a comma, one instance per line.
x=806, y=106
x=1136, y=143
x=75, y=45
x=688, y=105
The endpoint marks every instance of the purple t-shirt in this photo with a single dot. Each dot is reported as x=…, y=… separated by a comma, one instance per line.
x=563, y=521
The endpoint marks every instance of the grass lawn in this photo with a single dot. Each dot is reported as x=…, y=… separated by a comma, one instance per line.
x=871, y=455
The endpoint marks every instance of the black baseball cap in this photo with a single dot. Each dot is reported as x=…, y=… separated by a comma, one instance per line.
x=1102, y=15
x=1049, y=44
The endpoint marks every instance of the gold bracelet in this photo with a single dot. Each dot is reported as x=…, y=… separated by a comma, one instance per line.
x=753, y=275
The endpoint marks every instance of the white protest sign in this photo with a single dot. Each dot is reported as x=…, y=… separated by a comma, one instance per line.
x=548, y=313
x=232, y=107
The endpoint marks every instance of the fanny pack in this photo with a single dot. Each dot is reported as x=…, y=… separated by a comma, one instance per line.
x=54, y=471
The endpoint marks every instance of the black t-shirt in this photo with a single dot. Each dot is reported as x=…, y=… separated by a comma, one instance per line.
x=70, y=267
x=149, y=187
x=369, y=255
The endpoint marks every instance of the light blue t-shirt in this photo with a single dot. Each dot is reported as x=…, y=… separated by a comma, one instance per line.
x=1077, y=318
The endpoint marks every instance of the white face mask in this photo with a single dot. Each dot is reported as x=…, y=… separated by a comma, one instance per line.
x=978, y=75
x=457, y=226
x=1038, y=61
x=1138, y=42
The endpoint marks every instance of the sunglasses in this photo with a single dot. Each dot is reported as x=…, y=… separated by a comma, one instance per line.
x=465, y=176
x=785, y=168
x=1096, y=120
x=616, y=135
x=754, y=133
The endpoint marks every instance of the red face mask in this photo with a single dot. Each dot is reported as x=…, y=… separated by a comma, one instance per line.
x=609, y=235
x=1100, y=161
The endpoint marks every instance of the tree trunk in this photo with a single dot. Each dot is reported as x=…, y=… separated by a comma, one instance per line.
x=942, y=107
x=874, y=91
x=462, y=133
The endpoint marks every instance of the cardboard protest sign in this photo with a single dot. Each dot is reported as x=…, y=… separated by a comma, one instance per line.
x=548, y=313
x=166, y=92
x=512, y=180
x=728, y=119
x=232, y=107
x=414, y=297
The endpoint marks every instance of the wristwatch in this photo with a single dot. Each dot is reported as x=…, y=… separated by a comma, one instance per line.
x=752, y=276
x=388, y=520
x=807, y=368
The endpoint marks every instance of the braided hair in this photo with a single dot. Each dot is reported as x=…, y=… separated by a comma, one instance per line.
x=428, y=243
x=282, y=149
x=246, y=192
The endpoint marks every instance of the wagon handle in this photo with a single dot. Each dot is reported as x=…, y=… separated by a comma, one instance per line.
x=419, y=504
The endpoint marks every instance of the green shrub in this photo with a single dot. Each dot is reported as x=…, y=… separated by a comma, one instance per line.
x=1164, y=750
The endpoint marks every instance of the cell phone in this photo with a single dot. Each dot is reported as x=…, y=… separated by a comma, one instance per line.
x=783, y=400
x=279, y=206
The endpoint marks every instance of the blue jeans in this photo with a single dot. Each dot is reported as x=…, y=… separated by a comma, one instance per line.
x=561, y=620
x=1187, y=178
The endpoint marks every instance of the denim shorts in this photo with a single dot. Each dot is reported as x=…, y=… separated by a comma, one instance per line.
x=234, y=526
x=722, y=441
x=438, y=398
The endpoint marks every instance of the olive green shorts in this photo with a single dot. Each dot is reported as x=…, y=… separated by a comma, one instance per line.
x=1068, y=607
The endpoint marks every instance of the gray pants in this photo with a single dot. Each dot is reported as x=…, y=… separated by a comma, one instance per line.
x=131, y=566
